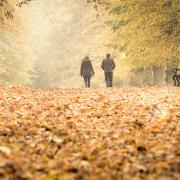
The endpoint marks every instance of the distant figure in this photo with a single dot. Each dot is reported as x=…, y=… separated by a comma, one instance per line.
x=87, y=71
x=176, y=77
x=108, y=66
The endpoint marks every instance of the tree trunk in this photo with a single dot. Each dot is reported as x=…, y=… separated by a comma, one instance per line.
x=147, y=77
x=158, y=75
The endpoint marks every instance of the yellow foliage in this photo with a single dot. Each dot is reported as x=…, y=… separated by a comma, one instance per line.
x=151, y=36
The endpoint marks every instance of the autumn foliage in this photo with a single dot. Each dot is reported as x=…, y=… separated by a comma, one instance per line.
x=89, y=134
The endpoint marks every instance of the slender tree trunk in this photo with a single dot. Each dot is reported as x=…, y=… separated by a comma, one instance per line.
x=147, y=77
x=158, y=75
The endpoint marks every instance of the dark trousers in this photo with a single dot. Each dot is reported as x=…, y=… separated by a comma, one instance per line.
x=87, y=81
x=109, y=79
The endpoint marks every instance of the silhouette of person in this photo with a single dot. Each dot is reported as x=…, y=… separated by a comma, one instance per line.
x=87, y=71
x=176, y=77
x=108, y=66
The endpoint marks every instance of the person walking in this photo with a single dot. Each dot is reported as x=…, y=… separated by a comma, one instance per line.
x=108, y=66
x=87, y=71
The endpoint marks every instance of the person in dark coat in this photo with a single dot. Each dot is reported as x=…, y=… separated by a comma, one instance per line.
x=108, y=66
x=87, y=71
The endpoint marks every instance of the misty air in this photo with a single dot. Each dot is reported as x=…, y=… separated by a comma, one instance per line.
x=89, y=89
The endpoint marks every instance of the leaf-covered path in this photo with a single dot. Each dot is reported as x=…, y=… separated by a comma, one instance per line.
x=103, y=134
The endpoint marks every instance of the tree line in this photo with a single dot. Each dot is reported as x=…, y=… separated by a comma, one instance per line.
x=146, y=31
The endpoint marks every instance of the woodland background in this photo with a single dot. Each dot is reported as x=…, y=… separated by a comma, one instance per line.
x=42, y=42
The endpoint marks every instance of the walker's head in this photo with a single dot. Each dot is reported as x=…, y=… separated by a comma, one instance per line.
x=87, y=58
x=175, y=70
x=108, y=56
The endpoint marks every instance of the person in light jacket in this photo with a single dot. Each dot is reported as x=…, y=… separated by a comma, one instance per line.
x=108, y=66
x=87, y=71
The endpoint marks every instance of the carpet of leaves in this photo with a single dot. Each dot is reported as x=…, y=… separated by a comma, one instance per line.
x=93, y=134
